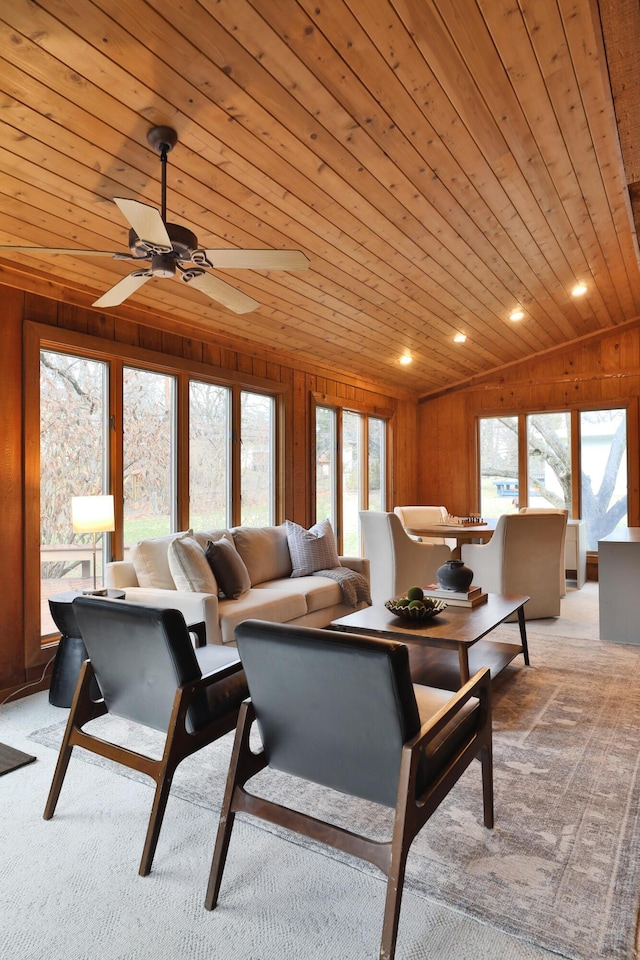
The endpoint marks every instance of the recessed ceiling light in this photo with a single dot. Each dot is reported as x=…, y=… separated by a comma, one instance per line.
x=578, y=290
x=405, y=359
x=516, y=314
x=459, y=338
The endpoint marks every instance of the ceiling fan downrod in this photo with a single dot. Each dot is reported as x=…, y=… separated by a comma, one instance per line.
x=163, y=140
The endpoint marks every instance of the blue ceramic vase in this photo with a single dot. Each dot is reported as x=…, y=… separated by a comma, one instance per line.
x=454, y=575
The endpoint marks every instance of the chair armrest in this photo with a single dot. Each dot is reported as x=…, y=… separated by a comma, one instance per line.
x=479, y=686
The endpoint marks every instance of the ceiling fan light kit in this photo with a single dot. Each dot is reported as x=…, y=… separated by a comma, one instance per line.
x=171, y=249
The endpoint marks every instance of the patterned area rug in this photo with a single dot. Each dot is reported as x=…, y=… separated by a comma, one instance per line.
x=562, y=866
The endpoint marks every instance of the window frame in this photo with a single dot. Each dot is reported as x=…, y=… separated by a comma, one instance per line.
x=117, y=355
x=364, y=411
x=631, y=406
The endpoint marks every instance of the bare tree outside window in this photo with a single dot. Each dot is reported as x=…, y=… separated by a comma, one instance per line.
x=257, y=458
x=603, y=446
x=72, y=463
x=209, y=455
x=148, y=445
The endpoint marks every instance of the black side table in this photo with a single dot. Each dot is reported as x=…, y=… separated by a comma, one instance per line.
x=71, y=652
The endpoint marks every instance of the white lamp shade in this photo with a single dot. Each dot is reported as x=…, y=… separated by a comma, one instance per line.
x=92, y=514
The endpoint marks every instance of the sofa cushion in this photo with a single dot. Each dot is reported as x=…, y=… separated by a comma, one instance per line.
x=313, y=549
x=274, y=605
x=318, y=592
x=189, y=566
x=151, y=562
x=265, y=552
x=228, y=568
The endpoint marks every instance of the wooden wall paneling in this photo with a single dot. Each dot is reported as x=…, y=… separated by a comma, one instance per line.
x=300, y=450
x=192, y=349
x=407, y=448
x=633, y=459
x=228, y=359
x=173, y=344
x=244, y=363
x=212, y=354
x=73, y=317
x=40, y=309
x=273, y=371
x=101, y=325
x=629, y=350
x=441, y=471
x=151, y=339
x=12, y=659
x=127, y=331
x=259, y=367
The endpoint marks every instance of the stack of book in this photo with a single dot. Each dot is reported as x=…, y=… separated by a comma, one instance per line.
x=457, y=598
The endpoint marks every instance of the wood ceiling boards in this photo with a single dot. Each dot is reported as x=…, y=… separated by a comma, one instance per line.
x=440, y=162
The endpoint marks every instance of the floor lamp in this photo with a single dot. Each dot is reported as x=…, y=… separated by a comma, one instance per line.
x=92, y=515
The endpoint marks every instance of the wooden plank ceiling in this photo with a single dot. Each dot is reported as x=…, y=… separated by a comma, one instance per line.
x=440, y=162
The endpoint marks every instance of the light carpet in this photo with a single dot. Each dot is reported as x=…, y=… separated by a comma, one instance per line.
x=562, y=866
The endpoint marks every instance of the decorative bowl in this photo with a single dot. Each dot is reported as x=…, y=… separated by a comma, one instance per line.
x=430, y=608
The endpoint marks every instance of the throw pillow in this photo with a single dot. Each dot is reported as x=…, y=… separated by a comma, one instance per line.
x=264, y=550
x=228, y=568
x=189, y=567
x=313, y=549
x=150, y=560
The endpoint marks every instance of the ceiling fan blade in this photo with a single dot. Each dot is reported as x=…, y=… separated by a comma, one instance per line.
x=123, y=289
x=221, y=291
x=255, y=259
x=59, y=251
x=147, y=223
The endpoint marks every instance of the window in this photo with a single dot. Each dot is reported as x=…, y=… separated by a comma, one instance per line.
x=499, y=472
x=172, y=446
x=549, y=460
x=603, y=454
x=350, y=471
x=148, y=454
x=594, y=488
x=326, y=472
x=209, y=456
x=73, y=462
x=257, y=459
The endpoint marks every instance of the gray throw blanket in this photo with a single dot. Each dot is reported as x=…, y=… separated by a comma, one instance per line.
x=355, y=587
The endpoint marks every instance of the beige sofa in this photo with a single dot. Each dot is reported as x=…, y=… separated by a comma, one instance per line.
x=273, y=595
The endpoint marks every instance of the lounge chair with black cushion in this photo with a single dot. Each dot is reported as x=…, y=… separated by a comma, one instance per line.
x=148, y=672
x=342, y=711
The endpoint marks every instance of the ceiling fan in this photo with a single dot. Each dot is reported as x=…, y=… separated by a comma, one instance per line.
x=172, y=250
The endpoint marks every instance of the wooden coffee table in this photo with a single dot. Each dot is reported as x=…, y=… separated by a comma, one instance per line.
x=450, y=647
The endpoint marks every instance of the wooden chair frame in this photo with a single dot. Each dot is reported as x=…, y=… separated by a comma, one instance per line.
x=411, y=811
x=179, y=744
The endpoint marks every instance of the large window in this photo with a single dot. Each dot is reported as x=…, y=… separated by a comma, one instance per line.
x=73, y=463
x=575, y=461
x=350, y=470
x=173, y=447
